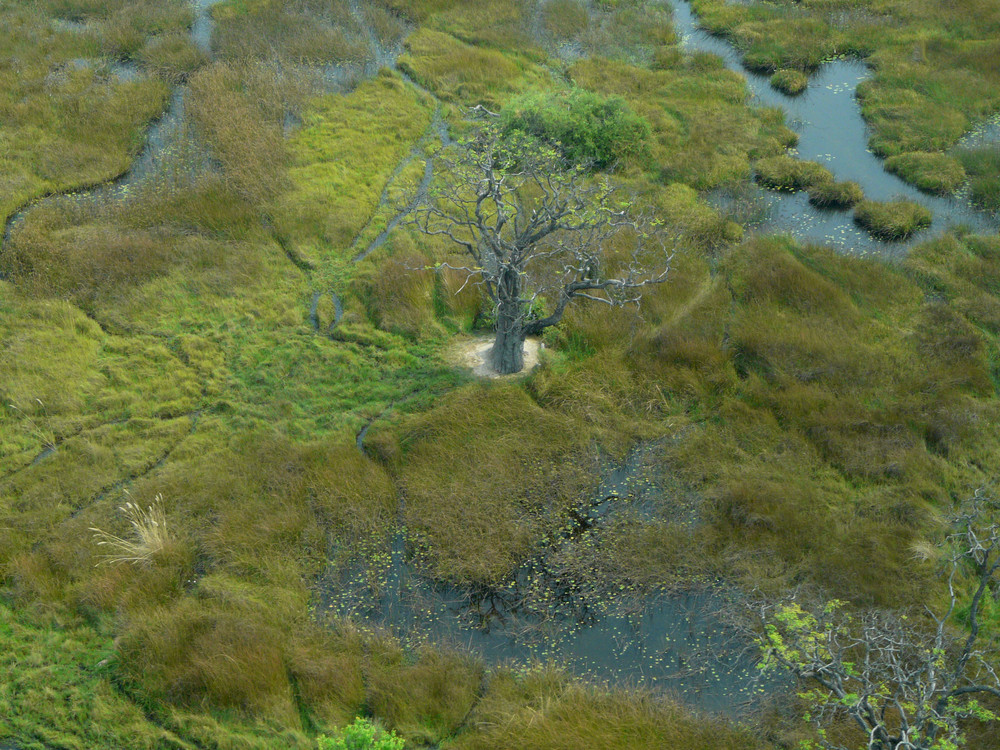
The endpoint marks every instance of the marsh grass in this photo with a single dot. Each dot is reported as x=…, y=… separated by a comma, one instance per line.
x=935, y=67
x=147, y=537
x=892, y=220
x=784, y=172
x=791, y=82
x=982, y=164
x=544, y=708
x=306, y=31
x=800, y=391
x=830, y=194
x=933, y=172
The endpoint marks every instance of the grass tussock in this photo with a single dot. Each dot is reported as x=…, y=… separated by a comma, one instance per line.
x=935, y=173
x=426, y=695
x=791, y=82
x=149, y=534
x=342, y=158
x=314, y=32
x=892, y=220
x=830, y=194
x=462, y=73
x=476, y=524
x=543, y=709
x=784, y=172
x=982, y=164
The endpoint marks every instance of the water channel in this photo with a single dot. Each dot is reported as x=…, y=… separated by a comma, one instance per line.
x=831, y=131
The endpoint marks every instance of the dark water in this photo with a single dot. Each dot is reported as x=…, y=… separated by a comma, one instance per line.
x=608, y=633
x=831, y=131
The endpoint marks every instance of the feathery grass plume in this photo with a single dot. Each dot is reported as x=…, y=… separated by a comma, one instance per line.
x=150, y=534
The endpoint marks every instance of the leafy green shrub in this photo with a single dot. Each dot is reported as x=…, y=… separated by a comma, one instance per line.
x=586, y=126
x=361, y=735
x=933, y=172
x=892, y=220
x=835, y=194
x=790, y=81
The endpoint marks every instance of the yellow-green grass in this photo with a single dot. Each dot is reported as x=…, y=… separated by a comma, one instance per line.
x=784, y=172
x=342, y=159
x=791, y=82
x=933, y=172
x=461, y=73
x=542, y=708
x=314, y=32
x=691, y=111
x=982, y=164
x=824, y=412
x=935, y=63
x=830, y=194
x=892, y=220
x=81, y=132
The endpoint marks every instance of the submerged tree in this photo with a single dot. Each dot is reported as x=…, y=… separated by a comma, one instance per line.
x=537, y=234
x=906, y=682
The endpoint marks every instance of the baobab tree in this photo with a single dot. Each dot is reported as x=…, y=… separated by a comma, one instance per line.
x=538, y=233
x=905, y=682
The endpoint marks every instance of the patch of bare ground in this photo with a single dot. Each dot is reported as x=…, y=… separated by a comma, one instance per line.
x=472, y=352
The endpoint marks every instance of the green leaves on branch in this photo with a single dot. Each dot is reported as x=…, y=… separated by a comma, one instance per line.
x=585, y=127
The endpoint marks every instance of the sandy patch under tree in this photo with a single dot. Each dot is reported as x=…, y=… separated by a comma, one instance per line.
x=473, y=353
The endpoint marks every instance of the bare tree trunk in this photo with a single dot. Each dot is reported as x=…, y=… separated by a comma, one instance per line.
x=507, y=354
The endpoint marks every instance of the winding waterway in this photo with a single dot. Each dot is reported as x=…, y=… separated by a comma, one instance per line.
x=831, y=131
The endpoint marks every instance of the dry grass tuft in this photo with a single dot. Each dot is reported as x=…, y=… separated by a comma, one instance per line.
x=149, y=535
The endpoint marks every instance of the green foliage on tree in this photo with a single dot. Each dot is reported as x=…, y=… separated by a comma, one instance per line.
x=586, y=127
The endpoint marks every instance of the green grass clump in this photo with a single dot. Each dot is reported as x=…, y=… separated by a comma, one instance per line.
x=544, y=709
x=791, y=82
x=892, y=220
x=830, y=194
x=933, y=172
x=460, y=72
x=982, y=164
x=425, y=695
x=343, y=157
x=172, y=56
x=313, y=32
x=565, y=19
x=477, y=524
x=784, y=172
x=586, y=127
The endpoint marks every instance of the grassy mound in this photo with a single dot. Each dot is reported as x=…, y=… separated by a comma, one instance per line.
x=786, y=173
x=892, y=220
x=983, y=167
x=791, y=82
x=935, y=173
x=830, y=194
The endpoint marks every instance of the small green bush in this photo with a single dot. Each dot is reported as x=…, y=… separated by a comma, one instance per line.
x=835, y=194
x=933, y=172
x=892, y=220
x=361, y=735
x=586, y=126
x=791, y=82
